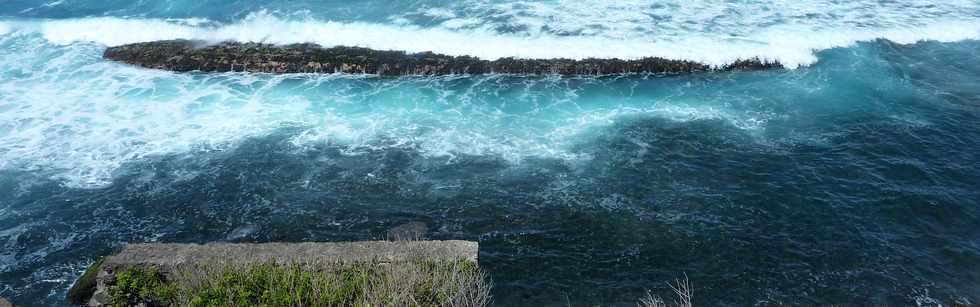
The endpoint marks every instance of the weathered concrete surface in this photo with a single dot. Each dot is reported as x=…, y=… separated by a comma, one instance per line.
x=169, y=255
x=91, y=290
x=185, y=55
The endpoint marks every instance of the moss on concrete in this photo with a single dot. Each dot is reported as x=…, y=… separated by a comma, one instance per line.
x=82, y=290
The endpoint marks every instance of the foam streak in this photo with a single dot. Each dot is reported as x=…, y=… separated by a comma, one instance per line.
x=793, y=46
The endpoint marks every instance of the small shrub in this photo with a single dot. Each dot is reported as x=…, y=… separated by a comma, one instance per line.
x=134, y=286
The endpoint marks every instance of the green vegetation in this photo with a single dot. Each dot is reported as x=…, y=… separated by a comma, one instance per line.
x=417, y=283
x=133, y=286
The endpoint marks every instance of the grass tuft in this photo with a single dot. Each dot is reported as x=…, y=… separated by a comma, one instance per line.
x=682, y=289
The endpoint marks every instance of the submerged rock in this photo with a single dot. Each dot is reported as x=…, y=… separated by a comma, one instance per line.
x=186, y=55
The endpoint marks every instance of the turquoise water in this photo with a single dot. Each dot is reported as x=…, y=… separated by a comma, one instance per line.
x=850, y=179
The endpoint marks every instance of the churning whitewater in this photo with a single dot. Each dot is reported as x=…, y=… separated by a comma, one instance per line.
x=848, y=179
x=712, y=32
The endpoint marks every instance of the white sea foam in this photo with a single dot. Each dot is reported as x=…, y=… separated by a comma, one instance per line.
x=72, y=115
x=792, y=44
x=671, y=18
x=83, y=119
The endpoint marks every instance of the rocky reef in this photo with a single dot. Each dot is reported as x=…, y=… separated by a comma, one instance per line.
x=186, y=55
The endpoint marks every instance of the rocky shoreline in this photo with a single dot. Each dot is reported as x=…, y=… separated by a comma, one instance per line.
x=186, y=55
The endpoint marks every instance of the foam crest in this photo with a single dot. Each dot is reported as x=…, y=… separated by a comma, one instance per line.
x=113, y=114
x=791, y=44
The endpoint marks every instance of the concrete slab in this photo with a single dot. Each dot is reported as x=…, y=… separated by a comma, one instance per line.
x=90, y=289
x=168, y=255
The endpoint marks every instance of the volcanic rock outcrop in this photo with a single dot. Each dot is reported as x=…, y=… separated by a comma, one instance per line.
x=186, y=55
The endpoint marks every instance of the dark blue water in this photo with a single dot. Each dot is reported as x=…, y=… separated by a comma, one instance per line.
x=853, y=181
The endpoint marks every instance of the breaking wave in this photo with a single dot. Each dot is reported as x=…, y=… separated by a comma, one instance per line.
x=792, y=44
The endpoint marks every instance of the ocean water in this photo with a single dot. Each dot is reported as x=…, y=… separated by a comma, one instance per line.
x=851, y=178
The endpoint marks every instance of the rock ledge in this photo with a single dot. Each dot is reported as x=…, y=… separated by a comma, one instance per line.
x=186, y=55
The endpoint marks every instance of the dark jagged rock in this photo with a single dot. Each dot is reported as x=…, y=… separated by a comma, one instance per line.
x=752, y=64
x=185, y=55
